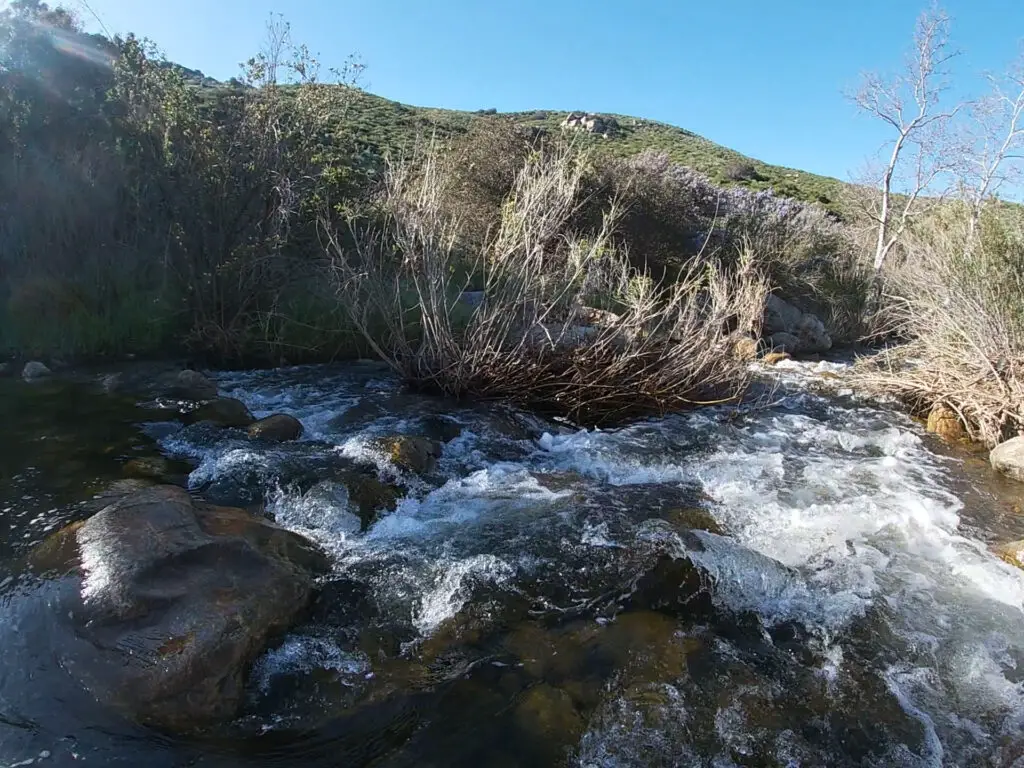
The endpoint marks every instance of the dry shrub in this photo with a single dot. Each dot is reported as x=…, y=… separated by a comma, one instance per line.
x=964, y=319
x=530, y=337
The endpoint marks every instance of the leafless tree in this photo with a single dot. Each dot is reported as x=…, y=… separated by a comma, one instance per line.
x=992, y=146
x=910, y=102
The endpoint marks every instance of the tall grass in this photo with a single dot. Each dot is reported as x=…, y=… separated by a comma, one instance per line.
x=530, y=338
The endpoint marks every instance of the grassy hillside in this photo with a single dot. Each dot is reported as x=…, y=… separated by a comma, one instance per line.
x=385, y=126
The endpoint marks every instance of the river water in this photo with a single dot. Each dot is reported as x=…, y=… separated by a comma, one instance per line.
x=531, y=601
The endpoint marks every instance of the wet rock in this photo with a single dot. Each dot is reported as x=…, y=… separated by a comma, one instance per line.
x=157, y=469
x=944, y=422
x=414, y=454
x=35, y=370
x=1012, y=553
x=368, y=495
x=191, y=385
x=224, y=412
x=674, y=585
x=694, y=519
x=789, y=329
x=548, y=713
x=444, y=429
x=278, y=428
x=177, y=600
x=57, y=554
x=774, y=358
x=1008, y=458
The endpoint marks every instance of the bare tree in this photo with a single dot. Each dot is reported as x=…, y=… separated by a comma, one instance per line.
x=992, y=146
x=910, y=103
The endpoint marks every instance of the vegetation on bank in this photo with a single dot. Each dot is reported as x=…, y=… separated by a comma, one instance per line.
x=288, y=216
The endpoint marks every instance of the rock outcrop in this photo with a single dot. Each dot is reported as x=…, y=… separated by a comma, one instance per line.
x=190, y=385
x=591, y=123
x=789, y=329
x=1008, y=458
x=411, y=453
x=177, y=600
x=944, y=422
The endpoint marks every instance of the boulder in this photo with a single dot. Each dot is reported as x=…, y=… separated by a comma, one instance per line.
x=278, y=428
x=1008, y=458
x=1012, y=553
x=694, y=519
x=945, y=422
x=745, y=348
x=176, y=602
x=414, y=454
x=156, y=468
x=191, y=385
x=35, y=370
x=591, y=123
x=789, y=329
x=224, y=412
x=368, y=496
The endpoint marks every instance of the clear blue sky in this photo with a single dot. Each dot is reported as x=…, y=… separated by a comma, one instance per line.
x=764, y=77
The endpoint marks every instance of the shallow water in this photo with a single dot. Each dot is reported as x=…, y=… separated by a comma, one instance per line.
x=523, y=605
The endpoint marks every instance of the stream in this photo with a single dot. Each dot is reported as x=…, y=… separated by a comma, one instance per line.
x=524, y=604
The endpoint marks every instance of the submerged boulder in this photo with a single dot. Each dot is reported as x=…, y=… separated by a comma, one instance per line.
x=278, y=428
x=224, y=412
x=177, y=600
x=35, y=370
x=789, y=329
x=1008, y=458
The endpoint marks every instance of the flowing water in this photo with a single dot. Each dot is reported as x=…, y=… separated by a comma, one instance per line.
x=531, y=601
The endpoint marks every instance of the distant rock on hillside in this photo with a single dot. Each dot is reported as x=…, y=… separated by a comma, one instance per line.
x=585, y=121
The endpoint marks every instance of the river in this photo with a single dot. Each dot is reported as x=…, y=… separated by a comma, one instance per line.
x=524, y=603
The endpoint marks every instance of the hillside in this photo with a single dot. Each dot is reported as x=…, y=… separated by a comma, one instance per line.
x=385, y=126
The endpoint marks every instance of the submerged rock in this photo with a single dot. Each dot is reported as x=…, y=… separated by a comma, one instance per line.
x=278, y=428
x=774, y=358
x=156, y=468
x=945, y=422
x=191, y=385
x=369, y=495
x=414, y=454
x=224, y=412
x=1008, y=458
x=694, y=519
x=35, y=370
x=177, y=600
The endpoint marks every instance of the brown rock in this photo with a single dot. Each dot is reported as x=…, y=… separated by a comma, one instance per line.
x=774, y=358
x=178, y=600
x=192, y=385
x=944, y=422
x=414, y=454
x=694, y=519
x=1012, y=552
x=278, y=428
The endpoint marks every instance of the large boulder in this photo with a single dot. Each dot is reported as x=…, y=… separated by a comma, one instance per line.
x=789, y=329
x=1011, y=552
x=1008, y=458
x=278, y=428
x=177, y=600
x=35, y=370
x=224, y=412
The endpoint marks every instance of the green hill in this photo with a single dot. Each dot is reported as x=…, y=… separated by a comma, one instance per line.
x=385, y=126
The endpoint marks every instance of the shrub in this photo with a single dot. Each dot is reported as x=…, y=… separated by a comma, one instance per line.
x=963, y=318
x=743, y=170
x=671, y=346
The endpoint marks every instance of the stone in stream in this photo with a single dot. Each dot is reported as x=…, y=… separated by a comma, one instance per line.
x=944, y=422
x=1011, y=552
x=177, y=600
x=278, y=428
x=157, y=469
x=224, y=412
x=35, y=370
x=190, y=385
x=413, y=454
x=1008, y=458
x=789, y=329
